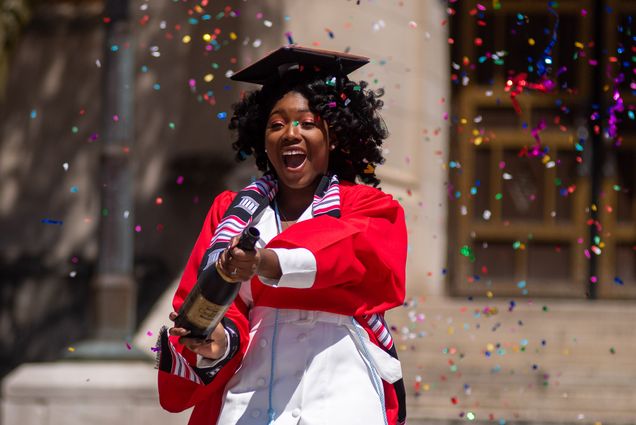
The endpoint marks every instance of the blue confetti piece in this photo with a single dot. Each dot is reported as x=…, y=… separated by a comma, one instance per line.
x=49, y=221
x=221, y=115
x=546, y=58
x=619, y=281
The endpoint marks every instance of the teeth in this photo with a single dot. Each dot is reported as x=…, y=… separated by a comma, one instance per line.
x=298, y=152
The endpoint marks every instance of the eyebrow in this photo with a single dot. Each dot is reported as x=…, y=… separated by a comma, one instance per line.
x=280, y=111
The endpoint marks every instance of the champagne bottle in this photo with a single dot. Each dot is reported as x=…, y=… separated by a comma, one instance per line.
x=212, y=295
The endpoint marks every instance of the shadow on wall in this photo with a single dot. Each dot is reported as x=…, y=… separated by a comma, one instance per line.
x=45, y=306
x=50, y=120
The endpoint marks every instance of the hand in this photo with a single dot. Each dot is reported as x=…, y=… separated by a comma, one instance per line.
x=211, y=348
x=238, y=264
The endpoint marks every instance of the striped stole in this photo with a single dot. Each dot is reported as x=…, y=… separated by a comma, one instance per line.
x=253, y=199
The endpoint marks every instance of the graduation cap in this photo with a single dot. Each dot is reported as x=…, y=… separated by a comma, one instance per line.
x=295, y=59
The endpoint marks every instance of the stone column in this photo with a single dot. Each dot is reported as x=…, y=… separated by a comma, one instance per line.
x=114, y=289
x=407, y=43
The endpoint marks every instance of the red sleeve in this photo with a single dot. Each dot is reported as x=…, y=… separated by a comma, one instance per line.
x=360, y=257
x=176, y=393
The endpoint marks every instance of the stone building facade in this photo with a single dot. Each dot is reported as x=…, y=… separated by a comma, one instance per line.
x=466, y=357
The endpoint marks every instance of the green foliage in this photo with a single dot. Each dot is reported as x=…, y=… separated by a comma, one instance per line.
x=14, y=14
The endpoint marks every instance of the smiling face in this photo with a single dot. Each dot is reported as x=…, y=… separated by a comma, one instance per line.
x=297, y=143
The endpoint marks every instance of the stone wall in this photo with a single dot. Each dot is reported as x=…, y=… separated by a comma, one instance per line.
x=566, y=363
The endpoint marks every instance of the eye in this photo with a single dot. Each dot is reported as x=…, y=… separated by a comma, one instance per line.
x=308, y=124
x=276, y=125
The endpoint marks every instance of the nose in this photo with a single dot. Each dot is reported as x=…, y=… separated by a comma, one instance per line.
x=292, y=132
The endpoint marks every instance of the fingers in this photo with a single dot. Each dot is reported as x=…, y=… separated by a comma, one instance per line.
x=212, y=347
x=175, y=331
x=178, y=331
x=237, y=263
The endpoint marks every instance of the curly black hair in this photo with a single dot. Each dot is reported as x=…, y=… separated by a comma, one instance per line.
x=349, y=108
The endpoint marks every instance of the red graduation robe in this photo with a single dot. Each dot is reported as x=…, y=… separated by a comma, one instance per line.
x=360, y=259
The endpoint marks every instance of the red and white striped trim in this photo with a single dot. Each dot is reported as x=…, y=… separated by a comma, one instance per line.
x=180, y=366
x=265, y=186
x=380, y=330
x=330, y=200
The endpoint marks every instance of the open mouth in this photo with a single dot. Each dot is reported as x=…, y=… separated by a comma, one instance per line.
x=294, y=159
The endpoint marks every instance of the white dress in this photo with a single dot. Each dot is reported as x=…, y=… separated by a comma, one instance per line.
x=302, y=367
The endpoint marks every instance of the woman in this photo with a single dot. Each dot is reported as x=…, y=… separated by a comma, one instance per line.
x=305, y=341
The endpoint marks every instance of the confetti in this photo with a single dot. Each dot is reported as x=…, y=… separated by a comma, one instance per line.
x=466, y=251
x=546, y=59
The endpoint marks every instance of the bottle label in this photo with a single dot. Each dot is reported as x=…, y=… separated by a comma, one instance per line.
x=203, y=312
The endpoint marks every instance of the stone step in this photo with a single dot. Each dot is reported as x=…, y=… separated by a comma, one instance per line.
x=577, y=365
x=80, y=393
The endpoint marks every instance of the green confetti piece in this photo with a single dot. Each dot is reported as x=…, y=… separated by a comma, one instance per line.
x=466, y=251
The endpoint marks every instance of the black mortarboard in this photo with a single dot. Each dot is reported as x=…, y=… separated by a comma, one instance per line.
x=275, y=65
